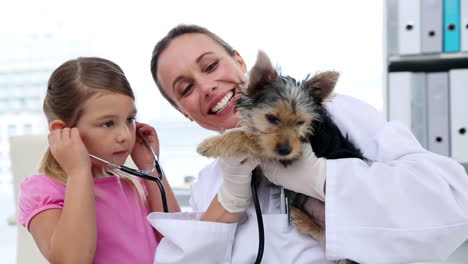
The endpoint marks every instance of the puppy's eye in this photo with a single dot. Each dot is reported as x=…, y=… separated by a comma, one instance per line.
x=272, y=119
x=300, y=123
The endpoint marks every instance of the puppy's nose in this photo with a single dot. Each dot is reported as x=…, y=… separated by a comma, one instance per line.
x=283, y=149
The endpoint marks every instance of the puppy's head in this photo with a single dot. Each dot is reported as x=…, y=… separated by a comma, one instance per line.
x=279, y=110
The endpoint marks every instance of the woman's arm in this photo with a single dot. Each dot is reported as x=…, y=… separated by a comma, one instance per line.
x=69, y=235
x=407, y=204
x=412, y=208
x=180, y=229
x=234, y=195
x=217, y=213
x=154, y=196
x=143, y=158
x=235, y=191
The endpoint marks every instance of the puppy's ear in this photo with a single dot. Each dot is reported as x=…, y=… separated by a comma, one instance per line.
x=322, y=84
x=261, y=73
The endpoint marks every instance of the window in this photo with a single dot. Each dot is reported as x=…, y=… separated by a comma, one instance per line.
x=27, y=129
x=11, y=129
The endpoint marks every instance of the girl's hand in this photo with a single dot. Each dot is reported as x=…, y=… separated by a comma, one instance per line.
x=69, y=150
x=141, y=154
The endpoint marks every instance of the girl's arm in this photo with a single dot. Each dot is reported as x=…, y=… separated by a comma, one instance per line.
x=69, y=235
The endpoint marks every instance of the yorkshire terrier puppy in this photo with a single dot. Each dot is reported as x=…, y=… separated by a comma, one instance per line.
x=277, y=115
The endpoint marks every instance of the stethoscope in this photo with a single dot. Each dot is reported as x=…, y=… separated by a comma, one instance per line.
x=143, y=173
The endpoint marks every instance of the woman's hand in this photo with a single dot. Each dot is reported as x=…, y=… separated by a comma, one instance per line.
x=235, y=194
x=305, y=175
x=141, y=154
x=69, y=150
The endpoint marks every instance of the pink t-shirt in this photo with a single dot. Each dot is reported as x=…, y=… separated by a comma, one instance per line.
x=124, y=235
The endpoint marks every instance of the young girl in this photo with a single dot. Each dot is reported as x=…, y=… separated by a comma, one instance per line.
x=78, y=210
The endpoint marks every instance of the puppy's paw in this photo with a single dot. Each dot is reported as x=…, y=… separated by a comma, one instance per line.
x=211, y=147
x=306, y=225
x=228, y=144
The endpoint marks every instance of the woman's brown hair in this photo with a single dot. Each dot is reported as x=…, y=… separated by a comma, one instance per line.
x=177, y=31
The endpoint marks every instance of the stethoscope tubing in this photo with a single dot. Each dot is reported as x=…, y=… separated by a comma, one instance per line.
x=143, y=174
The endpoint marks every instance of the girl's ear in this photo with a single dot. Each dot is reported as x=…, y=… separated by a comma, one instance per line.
x=57, y=124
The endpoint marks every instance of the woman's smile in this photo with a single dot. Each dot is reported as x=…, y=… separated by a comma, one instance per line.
x=223, y=103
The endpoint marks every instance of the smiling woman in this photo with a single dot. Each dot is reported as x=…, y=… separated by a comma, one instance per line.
x=202, y=79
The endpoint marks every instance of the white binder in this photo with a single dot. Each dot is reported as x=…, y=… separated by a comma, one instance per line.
x=407, y=102
x=459, y=114
x=438, y=112
x=431, y=26
x=399, y=97
x=392, y=27
x=409, y=27
x=464, y=25
x=419, y=107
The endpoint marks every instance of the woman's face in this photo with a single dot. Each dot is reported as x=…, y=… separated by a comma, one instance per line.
x=202, y=79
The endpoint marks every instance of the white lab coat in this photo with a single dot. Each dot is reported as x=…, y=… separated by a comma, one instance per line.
x=404, y=205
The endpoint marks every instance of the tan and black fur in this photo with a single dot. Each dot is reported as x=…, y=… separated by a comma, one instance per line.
x=277, y=115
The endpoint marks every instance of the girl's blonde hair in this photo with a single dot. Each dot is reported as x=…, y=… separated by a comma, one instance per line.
x=69, y=87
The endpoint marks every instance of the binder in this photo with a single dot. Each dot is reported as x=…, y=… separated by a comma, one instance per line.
x=409, y=27
x=392, y=27
x=459, y=114
x=419, y=107
x=464, y=25
x=399, y=97
x=451, y=25
x=431, y=26
x=407, y=102
x=438, y=112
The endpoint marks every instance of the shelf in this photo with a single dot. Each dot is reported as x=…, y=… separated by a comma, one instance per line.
x=428, y=62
